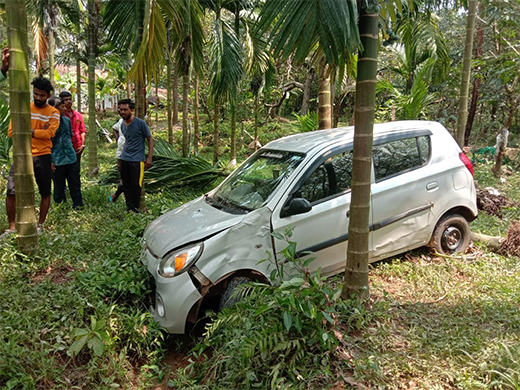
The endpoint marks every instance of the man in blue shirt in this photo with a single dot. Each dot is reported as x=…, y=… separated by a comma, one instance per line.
x=133, y=162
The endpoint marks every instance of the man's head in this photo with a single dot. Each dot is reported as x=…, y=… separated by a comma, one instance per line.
x=126, y=108
x=42, y=88
x=57, y=103
x=66, y=96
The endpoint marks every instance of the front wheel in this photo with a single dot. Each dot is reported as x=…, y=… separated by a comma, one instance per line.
x=451, y=235
x=229, y=298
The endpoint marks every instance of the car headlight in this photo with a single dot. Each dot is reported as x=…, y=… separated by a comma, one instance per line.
x=179, y=260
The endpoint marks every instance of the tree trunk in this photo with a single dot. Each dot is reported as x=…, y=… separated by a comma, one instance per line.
x=324, y=108
x=462, y=115
x=78, y=81
x=20, y=96
x=51, y=55
x=476, y=80
x=356, y=270
x=196, y=114
x=175, y=99
x=140, y=96
x=185, y=106
x=233, y=141
x=169, y=99
x=257, y=104
x=307, y=87
x=216, y=138
x=92, y=134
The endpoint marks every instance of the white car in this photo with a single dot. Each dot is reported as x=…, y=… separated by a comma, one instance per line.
x=422, y=193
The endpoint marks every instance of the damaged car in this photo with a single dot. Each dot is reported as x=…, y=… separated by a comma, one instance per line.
x=422, y=193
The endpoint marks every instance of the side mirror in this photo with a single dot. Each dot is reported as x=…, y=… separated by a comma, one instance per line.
x=295, y=206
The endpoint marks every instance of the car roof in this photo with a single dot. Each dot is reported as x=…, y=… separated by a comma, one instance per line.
x=305, y=142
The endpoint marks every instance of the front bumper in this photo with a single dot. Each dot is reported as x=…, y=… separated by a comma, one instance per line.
x=172, y=298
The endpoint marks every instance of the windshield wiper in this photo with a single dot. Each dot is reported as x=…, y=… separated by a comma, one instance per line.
x=213, y=202
x=231, y=205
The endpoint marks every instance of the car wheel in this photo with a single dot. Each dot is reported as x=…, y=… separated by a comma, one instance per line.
x=228, y=298
x=451, y=235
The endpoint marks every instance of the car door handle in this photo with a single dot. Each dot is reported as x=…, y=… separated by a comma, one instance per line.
x=348, y=213
x=432, y=186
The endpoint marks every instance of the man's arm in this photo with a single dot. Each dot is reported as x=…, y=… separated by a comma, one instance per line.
x=82, y=133
x=48, y=130
x=148, y=162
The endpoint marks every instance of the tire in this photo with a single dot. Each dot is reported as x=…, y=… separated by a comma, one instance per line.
x=451, y=235
x=228, y=299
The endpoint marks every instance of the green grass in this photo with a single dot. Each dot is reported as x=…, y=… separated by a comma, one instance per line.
x=433, y=323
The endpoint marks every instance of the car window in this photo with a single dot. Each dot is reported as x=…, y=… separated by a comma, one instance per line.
x=332, y=177
x=398, y=156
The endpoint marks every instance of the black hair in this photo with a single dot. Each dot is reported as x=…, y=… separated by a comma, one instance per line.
x=130, y=103
x=64, y=94
x=55, y=101
x=42, y=83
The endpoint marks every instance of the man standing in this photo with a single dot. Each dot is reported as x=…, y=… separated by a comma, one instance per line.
x=79, y=132
x=133, y=162
x=45, y=120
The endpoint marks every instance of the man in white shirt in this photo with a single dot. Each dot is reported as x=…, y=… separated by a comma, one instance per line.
x=120, y=145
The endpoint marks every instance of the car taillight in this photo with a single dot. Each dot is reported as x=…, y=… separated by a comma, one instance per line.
x=466, y=162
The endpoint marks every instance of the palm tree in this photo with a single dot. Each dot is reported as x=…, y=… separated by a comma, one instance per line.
x=189, y=53
x=462, y=115
x=356, y=270
x=226, y=66
x=92, y=29
x=325, y=30
x=21, y=124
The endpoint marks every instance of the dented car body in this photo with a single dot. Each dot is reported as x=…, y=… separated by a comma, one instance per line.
x=422, y=192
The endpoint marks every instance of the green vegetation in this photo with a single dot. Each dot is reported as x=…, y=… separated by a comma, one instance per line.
x=76, y=316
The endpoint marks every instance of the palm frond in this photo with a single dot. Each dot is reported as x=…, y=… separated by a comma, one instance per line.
x=298, y=26
x=226, y=61
x=171, y=170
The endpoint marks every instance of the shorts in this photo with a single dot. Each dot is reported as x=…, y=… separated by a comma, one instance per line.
x=42, y=174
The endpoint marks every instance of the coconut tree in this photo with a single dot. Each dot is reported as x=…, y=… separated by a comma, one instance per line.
x=21, y=124
x=92, y=30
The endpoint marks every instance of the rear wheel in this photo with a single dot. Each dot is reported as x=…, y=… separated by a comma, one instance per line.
x=451, y=235
x=229, y=298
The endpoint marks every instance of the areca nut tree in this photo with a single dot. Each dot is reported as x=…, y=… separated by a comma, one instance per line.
x=21, y=126
x=321, y=32
x=92, y=29
x=462, y=115
x=189, y=53
x=356, y=270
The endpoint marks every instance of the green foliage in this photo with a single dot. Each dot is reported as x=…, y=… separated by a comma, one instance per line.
x=280, y=336
x=308, y=122
x=5, y=140
x=93, y=337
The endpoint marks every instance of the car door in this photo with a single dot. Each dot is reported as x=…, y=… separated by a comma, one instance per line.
x=322, y=228
x=403, y=194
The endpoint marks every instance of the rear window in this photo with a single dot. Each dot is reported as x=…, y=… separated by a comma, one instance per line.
x=395, y=157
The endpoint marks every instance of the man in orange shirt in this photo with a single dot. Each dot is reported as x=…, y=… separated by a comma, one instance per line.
x=45, y=120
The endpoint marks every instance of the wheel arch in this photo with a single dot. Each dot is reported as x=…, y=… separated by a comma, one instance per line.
x=213, y=290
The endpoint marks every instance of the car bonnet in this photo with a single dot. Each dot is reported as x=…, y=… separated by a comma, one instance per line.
x=186, y=224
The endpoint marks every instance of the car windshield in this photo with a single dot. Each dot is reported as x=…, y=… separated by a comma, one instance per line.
x=252, y=185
